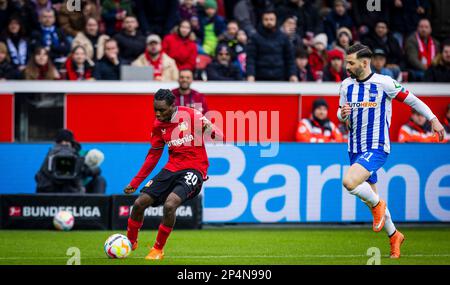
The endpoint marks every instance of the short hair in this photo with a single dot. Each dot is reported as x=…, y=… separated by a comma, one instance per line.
x=166, y=95
x=361, y=51
x=269, y=11
x=301, y=53
x=445, y=43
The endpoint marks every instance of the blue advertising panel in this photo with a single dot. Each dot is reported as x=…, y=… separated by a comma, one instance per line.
x=301, y=183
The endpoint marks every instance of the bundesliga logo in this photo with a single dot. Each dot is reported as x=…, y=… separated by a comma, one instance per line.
x=363, y=104
x=51, y=211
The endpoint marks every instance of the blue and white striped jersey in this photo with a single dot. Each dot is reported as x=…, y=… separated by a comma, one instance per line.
x=370, y=118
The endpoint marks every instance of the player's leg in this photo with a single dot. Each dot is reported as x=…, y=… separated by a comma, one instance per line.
x=171, y=205
x=136, y=218
x=396, y=238
x=356, y=181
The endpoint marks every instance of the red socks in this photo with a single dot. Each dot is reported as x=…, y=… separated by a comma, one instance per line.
x=133, y=229
x=161, y=238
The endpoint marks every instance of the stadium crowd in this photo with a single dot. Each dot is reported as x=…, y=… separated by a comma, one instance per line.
x=254, y=40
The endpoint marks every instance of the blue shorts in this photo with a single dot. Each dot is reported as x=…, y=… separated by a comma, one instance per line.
x=371, y=160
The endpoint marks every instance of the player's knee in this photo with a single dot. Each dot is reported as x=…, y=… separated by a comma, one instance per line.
x=349, y=183
x=139, y=206
x=170, y=208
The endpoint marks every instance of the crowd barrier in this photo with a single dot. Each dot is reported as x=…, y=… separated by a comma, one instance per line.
x=123, y=112
x=291, y=183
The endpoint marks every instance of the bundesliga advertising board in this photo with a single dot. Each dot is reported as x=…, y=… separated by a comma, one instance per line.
x=230, y=141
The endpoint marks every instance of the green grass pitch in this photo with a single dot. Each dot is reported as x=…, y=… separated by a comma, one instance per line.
x=228, y=246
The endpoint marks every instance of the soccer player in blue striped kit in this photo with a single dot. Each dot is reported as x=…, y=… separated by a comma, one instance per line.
x=366, y=102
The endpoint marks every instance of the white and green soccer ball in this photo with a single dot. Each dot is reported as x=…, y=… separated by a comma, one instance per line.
x=117, y=246
x=63, y=221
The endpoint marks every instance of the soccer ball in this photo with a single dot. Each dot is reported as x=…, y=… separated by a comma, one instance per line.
x=63, y=221
x=117, y=246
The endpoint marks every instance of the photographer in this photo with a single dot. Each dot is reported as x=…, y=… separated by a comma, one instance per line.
x=66, y=170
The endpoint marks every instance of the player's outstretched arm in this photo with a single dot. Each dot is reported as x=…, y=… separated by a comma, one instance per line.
x=153, y=156
x=418, y=105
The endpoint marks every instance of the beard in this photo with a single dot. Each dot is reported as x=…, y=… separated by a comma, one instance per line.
x=356, y=74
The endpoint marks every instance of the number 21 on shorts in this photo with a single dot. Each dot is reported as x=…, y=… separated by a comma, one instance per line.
x=367, y=155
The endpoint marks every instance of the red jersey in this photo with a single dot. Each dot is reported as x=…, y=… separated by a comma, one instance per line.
x=184, y=137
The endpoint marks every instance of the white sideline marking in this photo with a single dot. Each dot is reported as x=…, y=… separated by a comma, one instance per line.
x=238, y=256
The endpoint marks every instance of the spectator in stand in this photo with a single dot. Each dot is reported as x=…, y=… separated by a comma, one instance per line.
x=180, y=46
x=131, y=41
x=156, y=16
x=365, y=19
x=71, y=23
x=417, y=130
x=185, y=96
x=270, y=55
x=7, y=9
x=439, y=11
x=289, y=28
x=344, y=40
x=406, y=15
x=114, y=13
x=17, y=43
x=240, y=51
x=318, y=56
x=334, y=71
x=41, y=5
x=40, y=66
x=304, y=73
x=222, y=68
x=337, y=19
x=164, y=67
x=440, y=70
x=108, y=68
x=213, y=26
x=26, y=12
x=187, y=10
x=246, y=16
x=50, y=36
x=309, y=22
x=78, y=66
x=229, y=37
x=379, y=63
x=421, y=49
x=91, y=40
x=7, y=70
x=382, y=39
x=318, y=128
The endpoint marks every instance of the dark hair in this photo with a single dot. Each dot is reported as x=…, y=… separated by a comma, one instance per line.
x=166, y=95
x=301, y=53
x=269, y=11
x=445, y=43
x=361, y=51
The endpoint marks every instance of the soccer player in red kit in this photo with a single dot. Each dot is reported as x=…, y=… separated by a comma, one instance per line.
x=181, y=179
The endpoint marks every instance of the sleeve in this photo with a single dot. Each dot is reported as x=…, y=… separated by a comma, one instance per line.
x=342, y=95
x=396, y=91
x=336, y=134
x=303, y=134
x=152, y=158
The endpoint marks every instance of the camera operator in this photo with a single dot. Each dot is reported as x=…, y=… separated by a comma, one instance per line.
x=66, y=170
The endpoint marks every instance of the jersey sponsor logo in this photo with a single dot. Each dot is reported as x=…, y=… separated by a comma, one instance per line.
x=363, y=104
x=179, y=142
x=51, y=211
